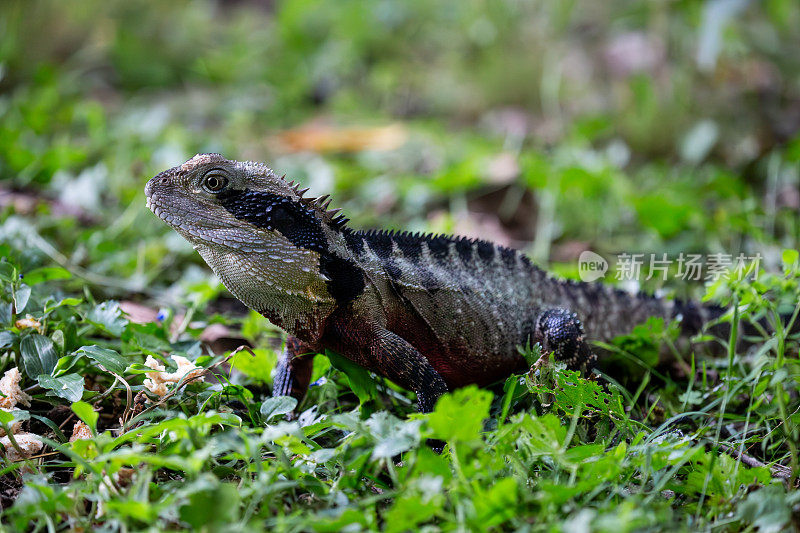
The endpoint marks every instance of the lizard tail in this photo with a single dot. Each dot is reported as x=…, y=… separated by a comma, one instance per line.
x=695, y=318
x=608, y=312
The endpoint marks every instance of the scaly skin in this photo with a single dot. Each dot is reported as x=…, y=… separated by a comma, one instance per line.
x=428, y=312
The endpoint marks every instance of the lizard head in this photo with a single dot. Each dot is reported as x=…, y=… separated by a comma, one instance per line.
x=201, y=199
x=216, y=202
x=268, y=244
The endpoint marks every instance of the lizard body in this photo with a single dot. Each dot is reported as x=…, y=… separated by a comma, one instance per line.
x=429, y=312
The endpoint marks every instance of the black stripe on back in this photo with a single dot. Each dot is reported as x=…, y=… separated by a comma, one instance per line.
x=464, y=249
x=485, y=251
x=410, y=244
x=380, y=243
x=354, y=241
x=509, y=257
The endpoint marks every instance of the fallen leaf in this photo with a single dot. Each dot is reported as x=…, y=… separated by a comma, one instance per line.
x=320, y=138
x=28, y=443
x=156, y=382
x=12, y=393
x=80, y=431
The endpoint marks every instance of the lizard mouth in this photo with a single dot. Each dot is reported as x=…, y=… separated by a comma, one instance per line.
x=200, y=226
x=159, y=211
x=198, y=229
x=155, y=208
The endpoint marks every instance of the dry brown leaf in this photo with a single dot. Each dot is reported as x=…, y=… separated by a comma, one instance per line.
x=13, y=394
x=138, y=313
x=28, y=443
x=80, y=431
x=320, y=138
x=29, y=322
x=156, y=382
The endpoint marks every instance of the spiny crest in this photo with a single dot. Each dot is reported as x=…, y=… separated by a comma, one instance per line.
x=320, y=204
x=317, y=205
x=423, y=236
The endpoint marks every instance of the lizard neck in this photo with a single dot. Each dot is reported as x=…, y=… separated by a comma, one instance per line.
x=284, y=284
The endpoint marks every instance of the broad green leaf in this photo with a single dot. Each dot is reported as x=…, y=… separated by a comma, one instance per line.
x=137, y=368
x=496, y=503
x=362, y=384
x=137, y=510
x=459, y=415
x=43, y=274
x=148, y=337
x=86, y=413
x=258, y=367
x=7, y=339
x=210, y=503
x=410, y=510
x=21, y=297
x=277, y=405
x=38, y=355
x=789, y=257
x=52, y=304
x=58, y=339
x=111, y=360
x=64, y=364
x=6, y=417
x=67, y=386
x=766, y=509
x=237, y=391
x=5, y=313
x=393, y=435
x=349, y=519
x=108, y=316
x=6, y=271
x=545, y=434
x=576, y=454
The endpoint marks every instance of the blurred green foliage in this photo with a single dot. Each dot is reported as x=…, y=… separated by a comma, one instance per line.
x=617, y=117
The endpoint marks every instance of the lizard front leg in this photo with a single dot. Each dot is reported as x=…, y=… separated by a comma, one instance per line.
x=561, y=332
x=402, y=363
x=293, y=372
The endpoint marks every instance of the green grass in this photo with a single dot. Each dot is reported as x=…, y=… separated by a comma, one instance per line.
x=674, y=157
x=543, y=451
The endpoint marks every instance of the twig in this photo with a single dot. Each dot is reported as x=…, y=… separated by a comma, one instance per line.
x=46, y=454
x=777, y=470
x=64, y=423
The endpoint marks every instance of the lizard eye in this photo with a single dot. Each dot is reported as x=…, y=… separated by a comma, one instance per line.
x=214, y=182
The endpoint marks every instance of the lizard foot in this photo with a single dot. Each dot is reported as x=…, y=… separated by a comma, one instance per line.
x=561, y=332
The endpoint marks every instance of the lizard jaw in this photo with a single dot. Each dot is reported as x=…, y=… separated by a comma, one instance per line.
x=159, y=211
x=162, y=212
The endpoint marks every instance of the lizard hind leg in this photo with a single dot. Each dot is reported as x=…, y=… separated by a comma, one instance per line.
x=561, y=332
